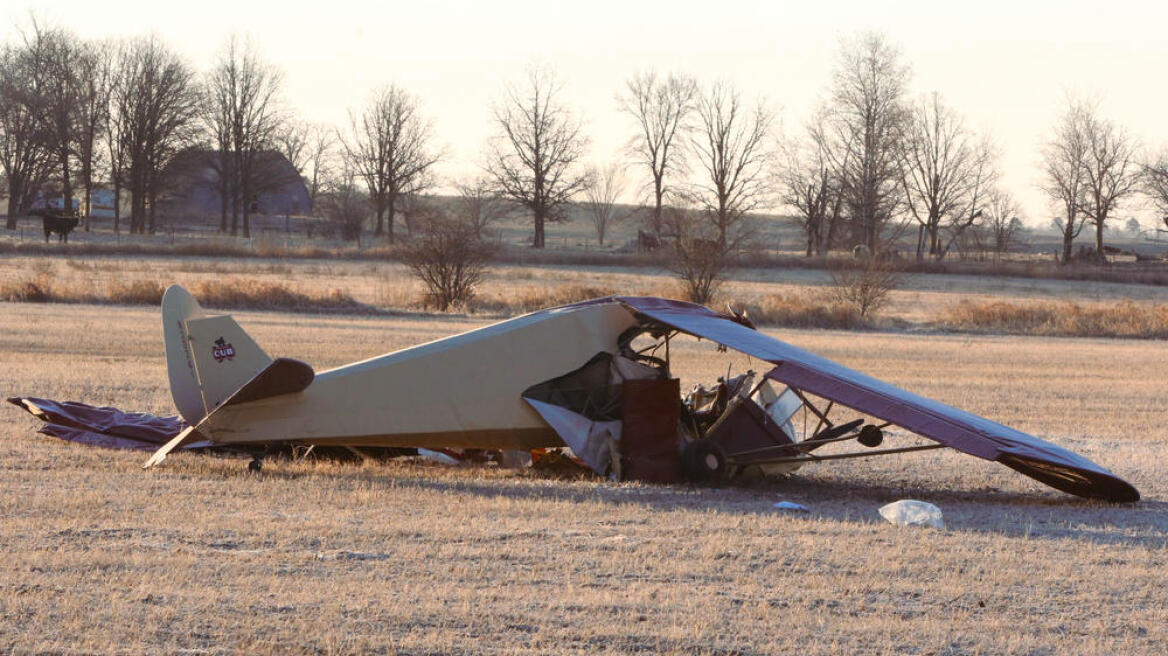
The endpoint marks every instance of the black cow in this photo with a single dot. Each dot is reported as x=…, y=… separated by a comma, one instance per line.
x=62, y=225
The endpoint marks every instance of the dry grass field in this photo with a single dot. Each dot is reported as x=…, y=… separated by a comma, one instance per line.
x=921, y=298
x=407, y=557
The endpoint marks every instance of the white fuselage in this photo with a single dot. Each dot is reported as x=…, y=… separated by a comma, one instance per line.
x=461, y=391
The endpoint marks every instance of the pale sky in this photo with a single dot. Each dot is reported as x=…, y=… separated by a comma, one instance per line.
x=1006, y=66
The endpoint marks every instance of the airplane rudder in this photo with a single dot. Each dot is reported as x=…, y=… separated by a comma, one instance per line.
x=178, y=306
x=208, y=357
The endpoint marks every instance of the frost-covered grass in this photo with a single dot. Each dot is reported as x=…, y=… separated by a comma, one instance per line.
x=199, y=556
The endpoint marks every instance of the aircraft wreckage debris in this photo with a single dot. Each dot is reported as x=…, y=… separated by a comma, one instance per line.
x=583, y=385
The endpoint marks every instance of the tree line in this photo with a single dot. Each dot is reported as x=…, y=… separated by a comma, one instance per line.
x=869, y=167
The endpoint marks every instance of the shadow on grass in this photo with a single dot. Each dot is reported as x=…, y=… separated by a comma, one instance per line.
x=1052, y=516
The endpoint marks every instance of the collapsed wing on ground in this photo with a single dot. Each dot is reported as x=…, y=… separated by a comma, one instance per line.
x=103, y=426
x=966, y=432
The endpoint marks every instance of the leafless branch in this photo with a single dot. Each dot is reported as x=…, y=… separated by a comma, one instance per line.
x=662, y=108
x=1155, y=183
x=245, y=121
x=154, y=103
x=390, y=146
x=449, y=260
x=948, y=172
x=532, y=159
x=1111, y=173
x=810, y=183
x=731, y=148
x=864, y=132
x=601, y=196
x=480, y=206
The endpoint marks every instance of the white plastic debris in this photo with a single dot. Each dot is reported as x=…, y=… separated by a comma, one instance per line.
x=437, y=456
x=791, y=506
x=909, y=512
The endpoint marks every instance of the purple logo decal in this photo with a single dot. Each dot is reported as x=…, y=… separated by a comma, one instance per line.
x=223, y=351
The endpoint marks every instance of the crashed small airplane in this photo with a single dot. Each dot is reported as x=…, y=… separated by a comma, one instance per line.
x=593, y=376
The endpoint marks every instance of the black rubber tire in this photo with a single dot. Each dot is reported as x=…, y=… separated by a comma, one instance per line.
x=870, y=436
x=706, y=462
x=255, y=466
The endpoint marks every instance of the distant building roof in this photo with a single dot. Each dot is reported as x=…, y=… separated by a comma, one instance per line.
x=193, y=182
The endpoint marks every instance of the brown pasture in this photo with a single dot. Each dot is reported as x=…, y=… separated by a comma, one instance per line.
x=198, y=556
x=920, y=298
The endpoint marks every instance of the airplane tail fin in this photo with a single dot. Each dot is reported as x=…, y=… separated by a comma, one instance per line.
x=208, y=357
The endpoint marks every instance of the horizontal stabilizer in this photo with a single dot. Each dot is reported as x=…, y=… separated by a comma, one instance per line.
x=282, y=376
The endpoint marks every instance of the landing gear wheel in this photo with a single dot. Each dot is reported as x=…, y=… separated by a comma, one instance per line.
x=255, y=466
x=706, y=462
x=870, y=436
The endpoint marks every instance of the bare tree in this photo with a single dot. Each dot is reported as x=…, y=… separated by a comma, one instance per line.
x=1001, y=223
x=1064, y=166
x=41, y=114
x=155, y=102
x=448, y=259
x=245, y=121
x=322, y=147
x=865, y=132
x=731, y=147
x=416, y=209
x=70, y=89
x=661, y=106
x=1155, y=183
x=479, y=205
x=601, y=196
x=866, y=288
x=310, y=148
x=1110, y=171
x=810, y=185
x=345, y=204
x=94, y=80
x=116, y=138
x=24, y=152
x=389, y=145
x=947, y=175
x=696, y=256
x=56, y=53
x=216, y=110
x=532, y=159
x=292, y=141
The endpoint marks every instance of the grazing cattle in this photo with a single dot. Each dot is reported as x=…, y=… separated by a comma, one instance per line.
x=62, y=225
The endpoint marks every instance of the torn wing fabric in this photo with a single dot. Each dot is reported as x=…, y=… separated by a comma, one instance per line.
x=944, y=424
x=583, y=405
x=103, y=426
x=589, y=440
